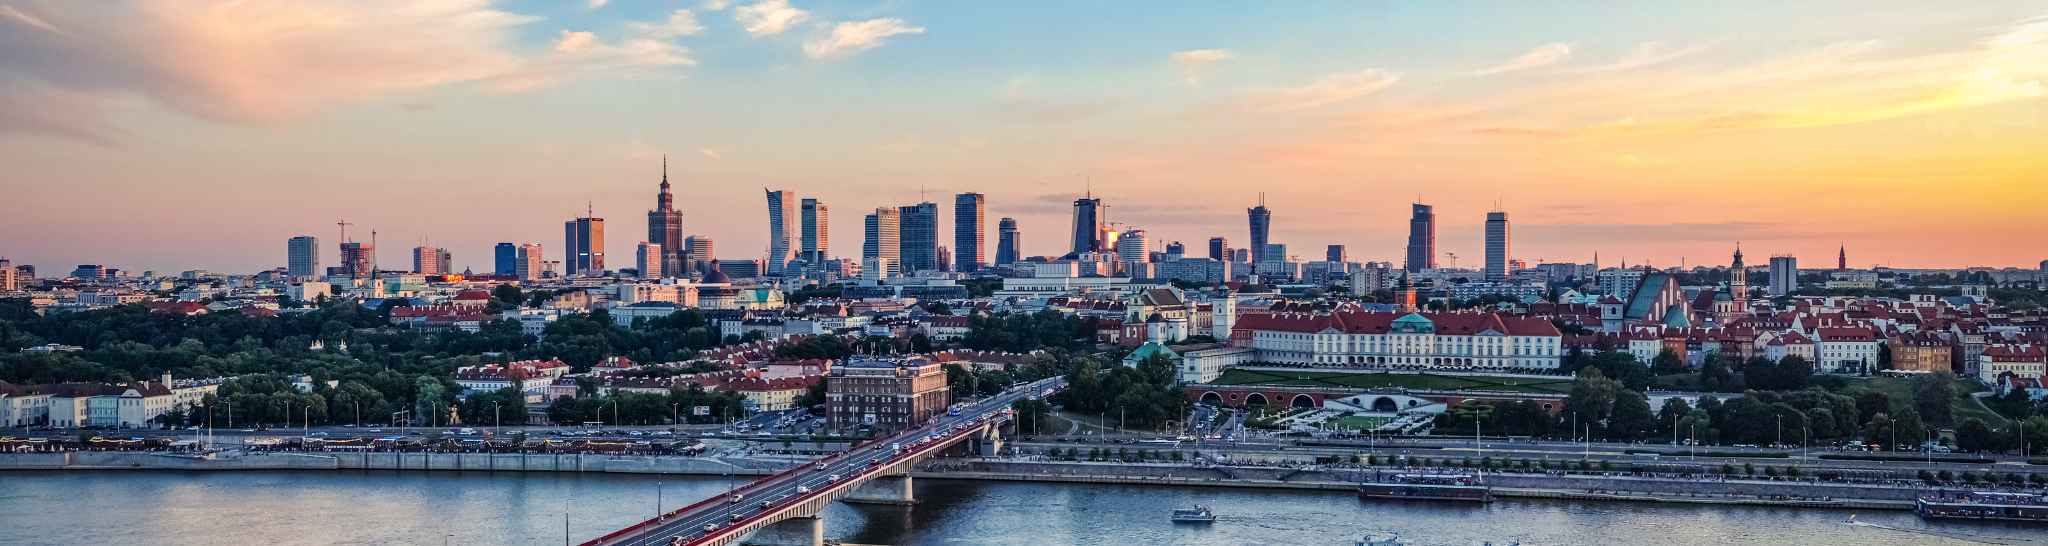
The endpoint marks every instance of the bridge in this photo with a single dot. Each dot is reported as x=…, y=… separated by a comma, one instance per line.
x=787, y=508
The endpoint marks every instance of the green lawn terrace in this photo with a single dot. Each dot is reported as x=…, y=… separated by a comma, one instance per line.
x=1376, y=380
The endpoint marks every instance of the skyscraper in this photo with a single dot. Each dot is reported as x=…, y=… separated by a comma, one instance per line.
x=647, y=259
x=583, y=246
x=359, y=259
x=782, y=229
x=665, y=226
x=817, y=232
x=919, y=236
x=1336, y=253
x=7, y=280
x=969, y=235
x=943, y=259
x=1219, y=249
x=1087, y=224
x=1784, y=275
x=428, y=260
x=1422, y=239
x=532, y=262
x=302, y=256
x=505, y=260
x=1133, y=247
x=698, y=253
x=884, y=232
x=1009, y=248
x=1262, y=230
x=1497, y=249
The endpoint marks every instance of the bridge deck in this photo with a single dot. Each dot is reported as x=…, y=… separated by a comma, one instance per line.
x=805, y=490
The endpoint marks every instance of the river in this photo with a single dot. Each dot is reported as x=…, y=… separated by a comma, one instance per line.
x=381, y=507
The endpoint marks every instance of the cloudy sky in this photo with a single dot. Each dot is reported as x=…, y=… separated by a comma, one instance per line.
x=173, y=134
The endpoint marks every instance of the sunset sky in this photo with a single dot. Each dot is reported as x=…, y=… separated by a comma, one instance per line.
x=182, y=134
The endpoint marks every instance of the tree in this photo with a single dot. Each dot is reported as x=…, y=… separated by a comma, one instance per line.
x=1974, y=436
x=1033, y=416
x=1592, y=397
x=1715, y=375
x=509, y=294
x=1668, y=362
x=1871, y=403
x=1934, y=396
x=1631, y=416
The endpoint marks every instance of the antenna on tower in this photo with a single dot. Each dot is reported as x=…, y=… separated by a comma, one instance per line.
x=1262, y=199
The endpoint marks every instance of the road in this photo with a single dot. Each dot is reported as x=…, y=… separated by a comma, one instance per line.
x=776, y=492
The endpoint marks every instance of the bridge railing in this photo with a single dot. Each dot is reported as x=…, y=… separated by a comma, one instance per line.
x=850, y=481
x=714, y=499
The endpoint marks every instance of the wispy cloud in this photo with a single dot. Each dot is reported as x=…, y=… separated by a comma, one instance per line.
x=679, y=23
x=848, y=38
x=715, y=5
x=710, y=153
x=9, y=12
x=1330, y=89
x=769, y=17
x=1645, y=55
x=1543, y=55
x=596, y=4
x=1193, y=63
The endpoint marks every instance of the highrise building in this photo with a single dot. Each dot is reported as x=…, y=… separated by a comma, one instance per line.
x=969, y=233
x=817, y=232
x=1175, y=250
x=7, y=281
x=427, y=260
x=665, y=226
x=302, y=256
x=919, y=236
x=532, y=262
x=359, y=259
x=583, y=246
x=884, y=232
x=1219, y=249
x=944, y=259
x=1133, y=247
x=698, y=253
x=1784, y=275
x=782, y=229
x=1262, y=230
x=505, y=260
x=1336, y=253
x=1009, y=247
x=1087, y=224
x=1497, y=249
x=1422, y=239
x=647, y=259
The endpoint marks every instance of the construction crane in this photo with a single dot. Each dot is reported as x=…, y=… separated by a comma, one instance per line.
x=344, y=229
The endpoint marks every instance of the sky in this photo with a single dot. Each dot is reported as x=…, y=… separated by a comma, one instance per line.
x=180, y=134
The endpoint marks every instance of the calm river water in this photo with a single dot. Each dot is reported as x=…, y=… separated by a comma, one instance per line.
x=250, y=508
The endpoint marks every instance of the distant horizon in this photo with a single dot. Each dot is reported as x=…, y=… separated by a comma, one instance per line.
x=146, y=136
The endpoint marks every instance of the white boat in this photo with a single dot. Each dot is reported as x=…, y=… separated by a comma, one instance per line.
x=1197, y=514
x=1388, y=539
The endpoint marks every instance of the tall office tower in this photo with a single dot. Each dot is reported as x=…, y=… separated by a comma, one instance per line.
x=944, y=259
x=532, y=262
x=647, y=259
x=1133, y=246
x=359, y=259
x=1176, y=250
x=1784, y=275
x=7, y=280
x=698, y=253
x=782, y=229
x=505, y=260
x=1262, y=230
x=1219, y=249
x=817, y=232
x=1422, y=239
x=583, y=242
x=970, y=235
x=918, y=238
x=1336, y=253
x=302, y=256
x=1087, y=224
x=884, y=236
x=1009, y=248
x=665, y=226
x=427, y=260
x=1240, y=255
x=1497, y=249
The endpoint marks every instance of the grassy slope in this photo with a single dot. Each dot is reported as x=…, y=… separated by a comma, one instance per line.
x=1237, y=376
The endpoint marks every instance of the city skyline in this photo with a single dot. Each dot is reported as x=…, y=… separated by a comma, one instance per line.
x=538, y=111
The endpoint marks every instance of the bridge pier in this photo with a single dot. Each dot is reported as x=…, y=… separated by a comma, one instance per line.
x=888, y=490
x=989, y=443
x=798, y=531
